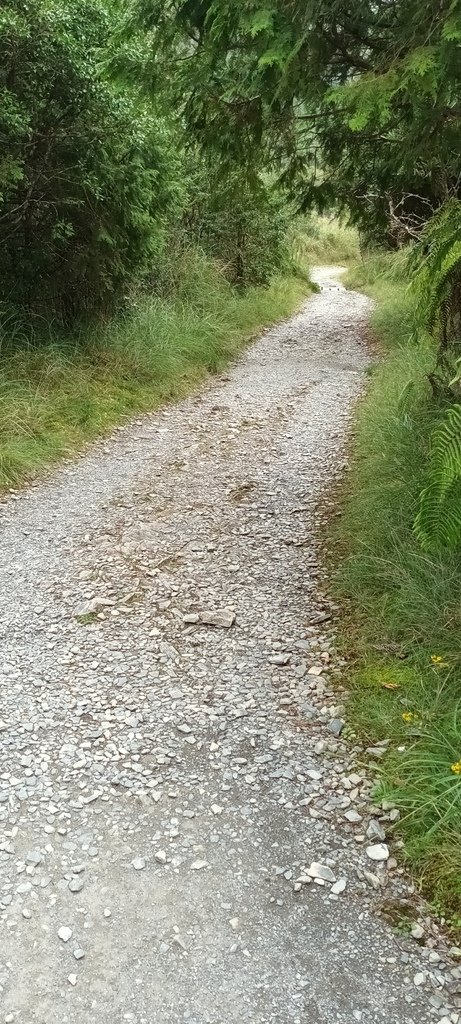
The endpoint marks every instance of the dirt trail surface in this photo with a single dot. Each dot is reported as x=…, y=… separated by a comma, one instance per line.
x=184, y=831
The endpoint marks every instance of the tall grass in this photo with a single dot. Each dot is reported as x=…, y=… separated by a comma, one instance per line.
x=56, y=393
x=318, y=239
x=403, y=611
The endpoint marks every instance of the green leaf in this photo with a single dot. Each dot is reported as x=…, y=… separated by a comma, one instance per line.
x=271, y=58
x=438, y=521
x=451, y=30
x=262, y=21
x=421, y=60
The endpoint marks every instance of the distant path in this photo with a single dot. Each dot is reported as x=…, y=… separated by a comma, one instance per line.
x=165, y=782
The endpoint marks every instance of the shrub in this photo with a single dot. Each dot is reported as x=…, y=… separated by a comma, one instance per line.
x=84, y=178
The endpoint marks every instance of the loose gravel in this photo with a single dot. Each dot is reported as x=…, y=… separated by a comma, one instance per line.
x=186, y=834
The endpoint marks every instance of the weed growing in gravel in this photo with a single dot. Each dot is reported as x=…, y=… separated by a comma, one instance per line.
x=403, y=613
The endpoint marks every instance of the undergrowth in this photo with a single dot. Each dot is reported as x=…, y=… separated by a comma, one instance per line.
x=402, y=630
x=322, y=239
x=56, y=394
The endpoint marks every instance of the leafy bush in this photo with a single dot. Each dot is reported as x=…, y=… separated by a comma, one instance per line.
x=436, y=281
x=239, y=217
x=85, y=178
x=438, y=520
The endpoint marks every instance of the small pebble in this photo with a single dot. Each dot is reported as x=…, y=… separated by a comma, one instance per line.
x=138, y=863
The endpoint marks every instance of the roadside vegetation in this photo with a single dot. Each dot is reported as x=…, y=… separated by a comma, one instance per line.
x=130, y=265
x=56, y=394
x=324, y=239
x=402, y=625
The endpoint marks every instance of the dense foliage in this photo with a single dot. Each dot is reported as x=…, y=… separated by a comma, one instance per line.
x=239, y=219
x=95, y=181
x=360, y=105
x=84, y=183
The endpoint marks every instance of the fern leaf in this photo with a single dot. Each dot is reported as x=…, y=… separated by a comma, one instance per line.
x=438, y=521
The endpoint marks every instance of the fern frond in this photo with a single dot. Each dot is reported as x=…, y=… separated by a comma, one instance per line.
x=436, y=266
x=438, y=521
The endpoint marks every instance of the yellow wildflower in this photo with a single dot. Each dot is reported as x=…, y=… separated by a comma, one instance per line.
x=438, y=661
x=408, y=716
x=456, y=767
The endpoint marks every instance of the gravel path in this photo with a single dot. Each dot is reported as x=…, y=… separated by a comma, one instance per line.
x=184, y=831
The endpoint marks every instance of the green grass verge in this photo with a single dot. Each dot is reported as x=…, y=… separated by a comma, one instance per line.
x=402, y=625
x=57, y=395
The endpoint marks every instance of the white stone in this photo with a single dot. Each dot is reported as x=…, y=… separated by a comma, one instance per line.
x=138, y=863
x=320, y=871
x=353, y=817
x=379, y=851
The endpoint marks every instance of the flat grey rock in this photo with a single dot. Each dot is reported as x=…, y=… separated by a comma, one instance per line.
x=375, y=830
x=279, y=659
x=223, y=619
x=336, y=726
x=34, y=857
x=321, y=871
